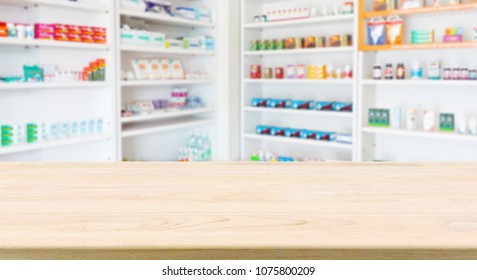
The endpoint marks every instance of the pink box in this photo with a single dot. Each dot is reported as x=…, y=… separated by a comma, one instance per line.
x=42, y=27
x=41, y=35
x=74, y=29
x=99, y=31
x=87, y=30
x=452, y=38
x=60, y=28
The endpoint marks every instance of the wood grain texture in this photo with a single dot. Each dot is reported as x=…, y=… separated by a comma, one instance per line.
x=238, y=210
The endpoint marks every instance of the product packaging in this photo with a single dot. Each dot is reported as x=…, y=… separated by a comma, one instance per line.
x=277, y=131
x=447, y=122
x=279, y=103
x=140, y=69
x=411, y=119
x=380, y=5
x=394, y=30
x=259, y=102
x=411, y=4
x=429, y=120
x=302, y=105
x=472, y=127
x=378, y=117
x=255, y=71
x=324, y=106
x=434, y=71
x=462, y=126
x=377, y=31
x=292, y=133
x=263, y=130
x=3, y=29
x=396, y=118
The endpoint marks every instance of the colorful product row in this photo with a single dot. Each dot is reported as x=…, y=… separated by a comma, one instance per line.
x=40, y=132
x=390, y=5
x=302, y=43
x=296, y=133
x=57, y=31
x=157, y=39
x=94, y=72
x=304, y=12
x=434, y=72
x=302, y=104
x=165, y=9
x=446, y=121
x=300, y=71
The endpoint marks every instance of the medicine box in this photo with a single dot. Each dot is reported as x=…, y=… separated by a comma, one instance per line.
x=447, y=122
x=378, y=117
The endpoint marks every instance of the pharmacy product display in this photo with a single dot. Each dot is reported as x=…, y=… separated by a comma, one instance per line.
x=304, y=134
x=94, y=72
x=390, y=30
x=267, y=156
x=305, y=12
x=179, y=101
x=56, y=31
x=36, y=132
x=302, y=104
x=301, y=71
x=427, y=120
x=164, y=8
x=345, y=40
x=161, y=69
x=416, y=72
x=146, y=38
x=197, y=149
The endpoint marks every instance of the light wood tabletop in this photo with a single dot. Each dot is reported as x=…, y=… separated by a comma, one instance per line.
x=238, y=211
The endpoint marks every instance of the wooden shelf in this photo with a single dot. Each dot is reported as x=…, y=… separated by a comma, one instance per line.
x=405, y=47
x=298, y=22
x=166, y=115
x=425, y=10
x=297, y=141
x=15, y=149
x=165, y=20
x=309, y=113
x=420, y=134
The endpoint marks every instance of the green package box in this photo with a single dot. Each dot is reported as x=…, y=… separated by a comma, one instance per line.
x=447, y=122
x=378, y=117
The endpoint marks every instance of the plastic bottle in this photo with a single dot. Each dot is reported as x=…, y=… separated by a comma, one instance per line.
x=200, y=148
x=208, y=147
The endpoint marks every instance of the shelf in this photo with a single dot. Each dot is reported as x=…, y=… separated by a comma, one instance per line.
x=299, y=81
x=423, y=82
x=89, y=7
x=164, y=83
x=300, y=51
x=164, y=115
x=171, y=125
x=405, y=47
x=291, y=23
x=165, y=20
x=149, y=49
x=26, y=86
x=420, y=134
x=296, y=141
x=309, y=113
x=424, y=10
x=51, y=44
x=52, y=144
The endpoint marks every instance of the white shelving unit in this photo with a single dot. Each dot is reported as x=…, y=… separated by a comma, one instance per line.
x=159, y=136
x=340, y=90
x=441, y=96
x=22, y=103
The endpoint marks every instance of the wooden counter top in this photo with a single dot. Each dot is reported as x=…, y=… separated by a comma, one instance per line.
x=238, y=210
